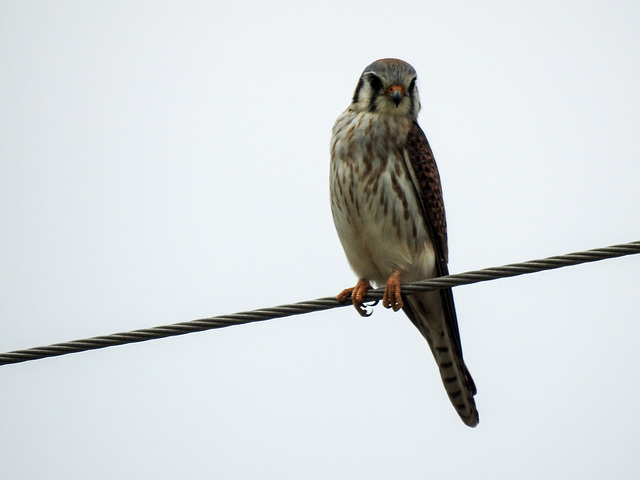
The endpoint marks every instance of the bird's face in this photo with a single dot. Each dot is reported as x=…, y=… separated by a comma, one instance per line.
x=388, y=86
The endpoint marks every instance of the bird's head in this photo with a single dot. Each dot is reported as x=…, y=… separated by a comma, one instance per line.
x=388, y=86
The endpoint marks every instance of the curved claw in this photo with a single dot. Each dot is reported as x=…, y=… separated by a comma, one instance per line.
x=357, y=295
x=368, y=305
x=392, y=293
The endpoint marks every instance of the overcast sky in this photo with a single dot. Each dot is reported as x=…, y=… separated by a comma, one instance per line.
x=165, y=161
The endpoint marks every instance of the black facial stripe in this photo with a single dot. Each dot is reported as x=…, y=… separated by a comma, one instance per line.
x=412, y=97
x=372, y=103
x=376, y=87
x=375, y=82
x=357, y=92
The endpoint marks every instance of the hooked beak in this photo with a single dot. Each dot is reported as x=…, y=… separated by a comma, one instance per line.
x=396, y=92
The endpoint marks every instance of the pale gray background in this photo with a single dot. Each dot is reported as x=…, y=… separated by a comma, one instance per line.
x=164, y=161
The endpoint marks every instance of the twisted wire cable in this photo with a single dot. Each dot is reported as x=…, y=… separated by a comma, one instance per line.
x=319, y=304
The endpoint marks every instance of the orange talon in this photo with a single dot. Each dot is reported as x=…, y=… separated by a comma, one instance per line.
x=357, y=295
x=392, y=295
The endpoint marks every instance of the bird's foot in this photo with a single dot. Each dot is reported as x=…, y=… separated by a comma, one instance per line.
x=392, y=296
x=357, y=295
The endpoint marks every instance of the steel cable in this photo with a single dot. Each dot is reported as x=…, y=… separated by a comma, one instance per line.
x=319, y=304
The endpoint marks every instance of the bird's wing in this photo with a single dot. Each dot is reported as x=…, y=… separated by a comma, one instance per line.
x=428, y=188
x=429, y=191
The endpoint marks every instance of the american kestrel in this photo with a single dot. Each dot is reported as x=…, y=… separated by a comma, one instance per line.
x=387, y=207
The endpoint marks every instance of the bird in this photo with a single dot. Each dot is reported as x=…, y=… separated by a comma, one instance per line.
x=388, y=210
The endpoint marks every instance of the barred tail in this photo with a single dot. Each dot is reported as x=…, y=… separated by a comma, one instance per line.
x=433, y=314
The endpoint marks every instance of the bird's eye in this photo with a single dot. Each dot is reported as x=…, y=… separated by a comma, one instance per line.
x=412, y=85
x=375, y=82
